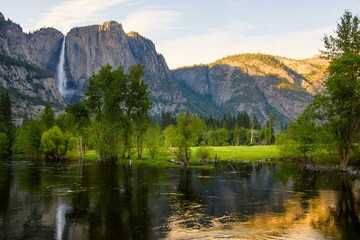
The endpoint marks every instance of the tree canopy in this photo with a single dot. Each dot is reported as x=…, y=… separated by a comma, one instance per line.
x=346, y=38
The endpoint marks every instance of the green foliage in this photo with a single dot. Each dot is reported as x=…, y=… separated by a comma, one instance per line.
x=218, y=137
x=153, y=140
x=183, y=136
x=335, y=114
x=300, y=138
x=55, y=143
x=347, y=38
x=28, y=138
x=343, y=102
x=4, y=143
x=269, y=132
x=338, y=109
x=6, y=125
x=48, y=117
x=203, y=153
x=120, y=103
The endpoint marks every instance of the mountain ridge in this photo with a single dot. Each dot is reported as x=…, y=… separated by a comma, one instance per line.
x=257, y=83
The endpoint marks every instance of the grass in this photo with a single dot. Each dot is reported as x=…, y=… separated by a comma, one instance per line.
x=248, y=153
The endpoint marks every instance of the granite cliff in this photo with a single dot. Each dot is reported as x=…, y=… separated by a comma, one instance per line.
x=256, y=83
x=27, y=67
x=90, y=47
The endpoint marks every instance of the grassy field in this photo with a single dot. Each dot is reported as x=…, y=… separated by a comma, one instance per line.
x=248, y=153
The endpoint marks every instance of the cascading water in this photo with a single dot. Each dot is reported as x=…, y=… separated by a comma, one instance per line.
x=61, y=76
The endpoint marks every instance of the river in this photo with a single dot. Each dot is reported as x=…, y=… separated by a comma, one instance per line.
x=41, y=200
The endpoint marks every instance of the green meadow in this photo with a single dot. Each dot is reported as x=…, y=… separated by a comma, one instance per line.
x=235, y=153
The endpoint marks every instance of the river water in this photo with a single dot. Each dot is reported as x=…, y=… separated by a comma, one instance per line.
x=40, y=200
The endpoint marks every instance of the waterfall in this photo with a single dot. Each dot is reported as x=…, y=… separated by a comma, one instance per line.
x=61, y=76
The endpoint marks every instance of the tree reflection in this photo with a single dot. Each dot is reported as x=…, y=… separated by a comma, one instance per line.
x=346, y=216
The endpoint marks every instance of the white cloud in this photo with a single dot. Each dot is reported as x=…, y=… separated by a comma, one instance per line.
x=149, y=22
x=72, y=13
x=218, y=43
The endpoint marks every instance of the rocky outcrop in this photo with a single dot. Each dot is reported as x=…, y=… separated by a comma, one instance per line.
x=40, y=47
x=30, y=88
x=44, y=46
x=88, y=48
x=256, y=83
x=27, y=66
x=165, y=92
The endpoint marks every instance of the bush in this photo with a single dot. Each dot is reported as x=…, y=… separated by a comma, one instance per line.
x=55, y=143
x=203, y=153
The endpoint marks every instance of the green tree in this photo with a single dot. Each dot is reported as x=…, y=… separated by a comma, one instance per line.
x=212, y=138
x=343, y=103
x=138, y=105
x=120, y=103
x=301, y=138
x=4, y=143
x=269, y=130
x=223, y=137
x=340, y=104
x=28, y=138
x=180, y=138
x=203, y=153
x=55, y=143
x=6, y=124
x=346, y=39
x=79, y=114
x=48, y=117
x=153, y=140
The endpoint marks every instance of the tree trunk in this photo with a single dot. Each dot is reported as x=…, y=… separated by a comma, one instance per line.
x=252, y=134
x=345, y=153
x=139, y=146
x=80, y=147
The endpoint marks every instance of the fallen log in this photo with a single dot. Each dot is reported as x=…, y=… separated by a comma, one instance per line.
x=177, y=162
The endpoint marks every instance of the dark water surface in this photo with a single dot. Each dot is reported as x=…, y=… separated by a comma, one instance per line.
x=97, y=201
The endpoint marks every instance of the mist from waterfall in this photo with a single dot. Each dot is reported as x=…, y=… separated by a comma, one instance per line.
x=61, y=76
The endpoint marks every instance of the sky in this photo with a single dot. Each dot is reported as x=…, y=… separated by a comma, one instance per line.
x=188, y=32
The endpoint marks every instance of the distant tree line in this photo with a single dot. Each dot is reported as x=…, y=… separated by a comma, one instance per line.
x=241, y=129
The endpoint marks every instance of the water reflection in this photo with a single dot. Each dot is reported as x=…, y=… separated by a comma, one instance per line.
x=97, y=201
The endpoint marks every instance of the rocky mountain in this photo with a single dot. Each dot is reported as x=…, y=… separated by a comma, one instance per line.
x=90, y=47
x=27, y=67
x=256, y=83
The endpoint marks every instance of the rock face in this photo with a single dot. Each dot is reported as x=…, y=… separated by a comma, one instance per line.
x=30, y=88
x=256, y=83
x=27, y=66
x=165, y=91
x=40, y=48
x=88, y=48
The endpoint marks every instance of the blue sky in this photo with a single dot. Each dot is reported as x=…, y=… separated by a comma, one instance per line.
x=191, y=32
